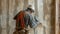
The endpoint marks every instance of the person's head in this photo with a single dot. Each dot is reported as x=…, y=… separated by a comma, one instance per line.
x=30, y=10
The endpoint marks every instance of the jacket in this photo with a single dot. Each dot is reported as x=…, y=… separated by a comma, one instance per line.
x=31, y=21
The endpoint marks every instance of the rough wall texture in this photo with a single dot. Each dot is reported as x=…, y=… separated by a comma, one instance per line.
x=9, y=8
x=57, y=17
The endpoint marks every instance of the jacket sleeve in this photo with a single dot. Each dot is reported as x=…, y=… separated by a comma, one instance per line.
x=33, y=21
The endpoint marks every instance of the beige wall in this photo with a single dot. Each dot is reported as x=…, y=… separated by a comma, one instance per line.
x=9, y=8
x=57, y=17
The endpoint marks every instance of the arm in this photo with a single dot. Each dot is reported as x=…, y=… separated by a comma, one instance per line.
x=33, y=21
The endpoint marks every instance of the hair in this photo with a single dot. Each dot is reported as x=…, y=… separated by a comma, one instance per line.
x=29, y=9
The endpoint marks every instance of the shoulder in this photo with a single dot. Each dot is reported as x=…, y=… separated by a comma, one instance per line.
x=15, y=17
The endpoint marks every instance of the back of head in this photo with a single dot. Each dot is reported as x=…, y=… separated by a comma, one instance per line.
x=29, y=9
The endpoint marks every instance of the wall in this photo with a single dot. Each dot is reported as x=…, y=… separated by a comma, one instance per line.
x=9, y=8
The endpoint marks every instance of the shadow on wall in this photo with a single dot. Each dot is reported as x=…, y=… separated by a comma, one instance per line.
x=0, y=27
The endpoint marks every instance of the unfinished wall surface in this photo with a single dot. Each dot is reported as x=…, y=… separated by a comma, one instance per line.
x=9, y=8
x=50, y=16
x=57, y=16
